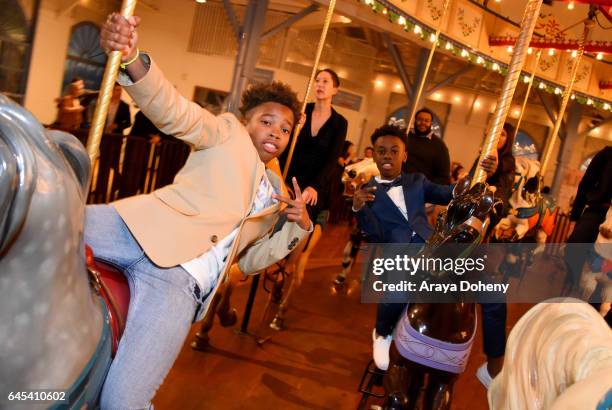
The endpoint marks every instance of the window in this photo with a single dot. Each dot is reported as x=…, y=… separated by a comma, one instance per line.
x=436, y=125
x=525, y=147
x=14, y=49
x=85, y=58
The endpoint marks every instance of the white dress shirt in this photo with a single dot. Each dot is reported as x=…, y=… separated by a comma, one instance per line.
x=206, y=268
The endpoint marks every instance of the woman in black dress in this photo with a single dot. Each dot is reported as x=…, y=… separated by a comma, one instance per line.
x=317, y=149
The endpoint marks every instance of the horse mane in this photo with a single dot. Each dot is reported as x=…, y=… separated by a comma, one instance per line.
x=555, y=345
x=18, y=180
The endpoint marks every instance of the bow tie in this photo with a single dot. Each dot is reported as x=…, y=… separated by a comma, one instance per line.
x=386, y=186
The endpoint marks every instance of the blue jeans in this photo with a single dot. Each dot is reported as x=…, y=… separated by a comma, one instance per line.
x=163, y=305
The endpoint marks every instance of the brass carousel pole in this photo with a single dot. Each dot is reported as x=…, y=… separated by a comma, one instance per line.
x=298, y=127
x=106, y=90
x=588, y=25
x=528, y=23
x=524, y=106
x=417, y=95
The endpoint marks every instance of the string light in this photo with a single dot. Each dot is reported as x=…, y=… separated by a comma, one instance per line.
x=454, y=48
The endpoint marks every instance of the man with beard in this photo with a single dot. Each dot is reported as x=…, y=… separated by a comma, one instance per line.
x=428, y=153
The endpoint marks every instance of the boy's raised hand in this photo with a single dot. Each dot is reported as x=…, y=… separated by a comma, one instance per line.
x=296, y=211
x=362, y=196
x=119, y=34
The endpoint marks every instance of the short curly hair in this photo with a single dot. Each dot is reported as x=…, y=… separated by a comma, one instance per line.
x=275, y=91
x=392, y=130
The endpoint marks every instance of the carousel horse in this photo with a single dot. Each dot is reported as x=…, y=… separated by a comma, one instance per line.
x=534, y=378
x=432, y=343
x=56, y=330
x=532, y=215
x=353, y=177
x=530, y=220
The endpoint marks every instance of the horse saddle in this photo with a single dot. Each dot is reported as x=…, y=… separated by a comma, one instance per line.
x=114, y=289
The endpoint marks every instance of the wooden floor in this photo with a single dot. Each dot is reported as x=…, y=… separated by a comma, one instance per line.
x=316, y=363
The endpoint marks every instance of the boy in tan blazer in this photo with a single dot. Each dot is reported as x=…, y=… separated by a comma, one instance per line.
x=176, y=244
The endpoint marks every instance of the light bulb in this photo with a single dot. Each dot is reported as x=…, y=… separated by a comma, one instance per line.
x=432, y=37
x=509, y=49
x=557, y=90
x=417, y=29
x=401, y=20
x=574, y=53
x=541, y=86
x=480, y=60
x=589, y=102
x=525, y=79
x=448, y=45
x=606, y=106
x=570, y=5
x=551, y=52
x=530, y=50
x=495, y=67
x=600, y=56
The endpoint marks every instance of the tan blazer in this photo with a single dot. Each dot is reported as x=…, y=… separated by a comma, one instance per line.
x=212, y=194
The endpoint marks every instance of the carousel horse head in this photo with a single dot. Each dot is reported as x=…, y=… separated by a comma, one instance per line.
x=558, y=356
x=50, y=322
x=530, y=211
x=467, y=215
x=358, y=174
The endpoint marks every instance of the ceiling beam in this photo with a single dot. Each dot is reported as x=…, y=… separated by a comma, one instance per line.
x=290, y=21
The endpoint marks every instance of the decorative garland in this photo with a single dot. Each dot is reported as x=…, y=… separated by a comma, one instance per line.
x=410, y=24
x=434, y=12
x=466, y=29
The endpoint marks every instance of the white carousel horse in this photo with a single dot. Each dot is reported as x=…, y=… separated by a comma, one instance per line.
x=54, y=331
x=357, y=174
x=558, y=356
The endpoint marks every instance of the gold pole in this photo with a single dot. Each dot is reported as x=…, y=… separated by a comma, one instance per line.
x=524, y=107
x=106, y=91
x=528, y=23
x=417, y=96
x=298, y=128
x=588, y=25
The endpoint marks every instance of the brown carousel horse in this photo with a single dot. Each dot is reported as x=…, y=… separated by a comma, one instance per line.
x=432, y=343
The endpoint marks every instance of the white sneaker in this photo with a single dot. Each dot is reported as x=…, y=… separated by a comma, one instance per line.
x=381, y=350
x=483, y=375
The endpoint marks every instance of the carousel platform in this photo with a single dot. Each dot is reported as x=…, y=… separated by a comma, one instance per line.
x=315, y=363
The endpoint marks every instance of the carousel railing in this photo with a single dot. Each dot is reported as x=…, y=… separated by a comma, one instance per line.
x=131, y=165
